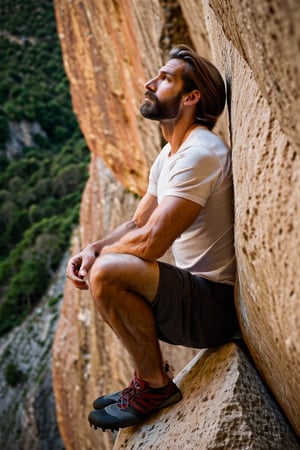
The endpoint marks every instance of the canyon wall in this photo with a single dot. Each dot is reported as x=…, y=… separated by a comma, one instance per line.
x=109, y=50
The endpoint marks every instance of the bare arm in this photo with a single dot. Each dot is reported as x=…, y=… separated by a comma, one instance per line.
x=80, y=264
x=144, y=210
x=151, y=240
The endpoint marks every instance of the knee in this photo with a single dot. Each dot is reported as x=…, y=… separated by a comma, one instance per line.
x=105, y=281
x=101, y=275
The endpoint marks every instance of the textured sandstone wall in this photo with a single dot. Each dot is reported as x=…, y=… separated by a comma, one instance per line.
x=261, y=61
x=106, y=58
x=224, y=406
x=256, y=45
x=109, y=49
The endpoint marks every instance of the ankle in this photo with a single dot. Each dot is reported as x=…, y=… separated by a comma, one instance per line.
x=155, y=381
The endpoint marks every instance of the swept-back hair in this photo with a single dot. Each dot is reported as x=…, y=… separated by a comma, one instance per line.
x=202, y=75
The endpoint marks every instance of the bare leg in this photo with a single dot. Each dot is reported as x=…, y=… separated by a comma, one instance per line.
x=123, y=286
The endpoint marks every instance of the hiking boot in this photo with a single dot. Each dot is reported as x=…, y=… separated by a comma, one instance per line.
x=109, y=399
x=135, y=403
x=106, y=400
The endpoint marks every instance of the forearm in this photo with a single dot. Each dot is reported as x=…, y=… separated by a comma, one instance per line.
x=152, y=239
x=80, y=264
x=145, y=242
x=140, y=218
x=113, y=237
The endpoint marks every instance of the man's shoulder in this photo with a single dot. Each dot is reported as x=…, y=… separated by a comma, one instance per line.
x=206, y=138
x=205, y=144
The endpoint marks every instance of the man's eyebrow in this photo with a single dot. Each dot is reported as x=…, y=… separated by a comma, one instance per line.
x=167, y=71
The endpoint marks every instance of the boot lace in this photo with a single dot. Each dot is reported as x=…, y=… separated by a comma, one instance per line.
x=129, y=394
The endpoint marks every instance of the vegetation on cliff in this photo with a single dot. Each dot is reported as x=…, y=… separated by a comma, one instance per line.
x=43, y=157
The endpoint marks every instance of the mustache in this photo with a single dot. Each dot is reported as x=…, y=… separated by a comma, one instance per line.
x=150, y=95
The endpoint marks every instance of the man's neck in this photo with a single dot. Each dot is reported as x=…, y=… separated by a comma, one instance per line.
x=176, y=133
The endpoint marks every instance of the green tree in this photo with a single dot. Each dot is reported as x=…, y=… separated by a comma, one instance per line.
x=28, y=284
x=13, y=375
x=8, y=211
x=40, y=189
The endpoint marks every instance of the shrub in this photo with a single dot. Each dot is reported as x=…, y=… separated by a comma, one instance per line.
x=4, y=129
x=40, y=189
x=13, y=375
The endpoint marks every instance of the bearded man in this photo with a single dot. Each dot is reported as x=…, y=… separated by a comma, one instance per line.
x=189, y=206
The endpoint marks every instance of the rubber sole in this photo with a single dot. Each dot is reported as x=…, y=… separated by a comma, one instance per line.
x=113, y=418
x=109, y=399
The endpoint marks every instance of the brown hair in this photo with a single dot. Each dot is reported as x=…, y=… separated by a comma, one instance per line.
x=202, y=75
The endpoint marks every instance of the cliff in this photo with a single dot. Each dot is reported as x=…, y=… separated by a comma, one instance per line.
x=28, y=414
x=110, y=49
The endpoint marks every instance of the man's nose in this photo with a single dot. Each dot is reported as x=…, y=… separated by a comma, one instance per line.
x=151, y=84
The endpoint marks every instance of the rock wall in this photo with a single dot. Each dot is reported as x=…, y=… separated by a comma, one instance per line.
x=260, y=59
x=28, y=412
x=224, y=406
x=108, y=52
x=110, y=49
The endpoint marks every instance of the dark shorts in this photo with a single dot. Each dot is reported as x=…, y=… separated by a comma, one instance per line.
x=192, y=311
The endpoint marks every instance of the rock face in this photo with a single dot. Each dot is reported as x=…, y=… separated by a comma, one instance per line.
x=28, y=413
x=224, y=405
x=266, y=168
x=110, y=49
x=108, y=54
x=22, y=134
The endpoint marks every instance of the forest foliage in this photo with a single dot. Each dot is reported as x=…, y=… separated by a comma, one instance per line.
x=40, y=184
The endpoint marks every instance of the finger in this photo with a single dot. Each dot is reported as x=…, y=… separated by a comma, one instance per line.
x=82, y=273
x=86, y=264
x=83, y=287
x=78, y=283
x=73, y=268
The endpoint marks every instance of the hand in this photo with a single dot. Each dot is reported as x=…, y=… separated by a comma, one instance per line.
x=79, y=266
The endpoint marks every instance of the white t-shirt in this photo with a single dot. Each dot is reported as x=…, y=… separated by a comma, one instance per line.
x=200, y=171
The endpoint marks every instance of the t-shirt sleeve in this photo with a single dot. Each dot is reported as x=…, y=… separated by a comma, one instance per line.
x=154, y=173
x=153, y=179
x=194, y=175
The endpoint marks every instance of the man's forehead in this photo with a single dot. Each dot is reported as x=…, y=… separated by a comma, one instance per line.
x=173, y=66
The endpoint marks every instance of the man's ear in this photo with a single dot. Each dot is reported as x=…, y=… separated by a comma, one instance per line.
x=192, y=97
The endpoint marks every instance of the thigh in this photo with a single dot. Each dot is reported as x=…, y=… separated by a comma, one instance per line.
x=192, y=311
x=127, y=272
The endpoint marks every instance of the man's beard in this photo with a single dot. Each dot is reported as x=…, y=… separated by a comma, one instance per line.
x=157, y=110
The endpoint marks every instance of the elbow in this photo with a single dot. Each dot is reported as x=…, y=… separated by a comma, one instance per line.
x=152, y=249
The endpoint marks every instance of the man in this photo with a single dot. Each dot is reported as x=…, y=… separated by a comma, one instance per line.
x=188, y=205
